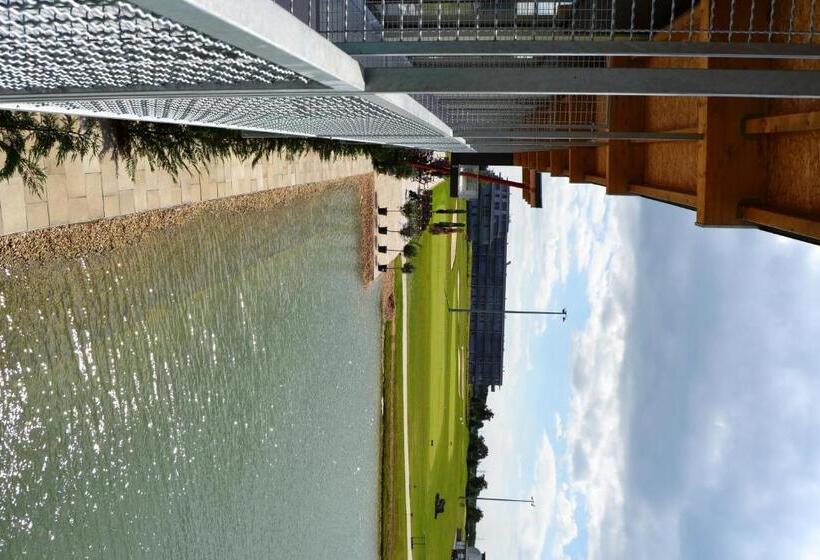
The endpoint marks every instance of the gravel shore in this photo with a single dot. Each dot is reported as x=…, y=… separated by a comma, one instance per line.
x=76, y=241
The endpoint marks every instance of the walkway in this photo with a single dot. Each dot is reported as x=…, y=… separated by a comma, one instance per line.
x=405, y=339
x=92, y=189
x=391, y=194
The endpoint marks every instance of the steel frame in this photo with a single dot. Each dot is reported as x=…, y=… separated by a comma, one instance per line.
x=598, y=81
x=581, y=48
x=267, y=30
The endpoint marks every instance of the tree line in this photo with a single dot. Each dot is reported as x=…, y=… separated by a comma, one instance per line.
x=476, y=451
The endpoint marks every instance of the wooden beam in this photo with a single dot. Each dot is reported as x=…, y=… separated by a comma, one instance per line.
x=732, y=166
x=659, y=138
x=801, y=226
x=623, y=164
x=665, y=194
x=542, y=162
x=595, y=179
x=580, y=161
x=797, y=122
x=558, y=162
x=530, y=194
x=526, y=177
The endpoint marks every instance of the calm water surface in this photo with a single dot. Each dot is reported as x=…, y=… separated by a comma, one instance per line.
x=214, y=394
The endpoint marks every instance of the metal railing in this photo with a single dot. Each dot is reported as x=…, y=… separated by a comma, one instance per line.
x=114, y=58
x=473, y=115
x=65, y=44
x=781, y=21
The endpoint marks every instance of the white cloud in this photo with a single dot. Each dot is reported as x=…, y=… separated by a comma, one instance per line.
x=694, y=386
x=566, y=530
x=559, y=427
x=595, y=430
x=576, y=230
x=533, y=525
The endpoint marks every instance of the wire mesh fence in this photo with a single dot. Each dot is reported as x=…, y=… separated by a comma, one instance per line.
x=486, y=62
x=447, y=20
x=51, y=44
x=488, y=116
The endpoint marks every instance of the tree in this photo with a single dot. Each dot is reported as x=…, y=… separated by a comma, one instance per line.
x=26, y=139
x=410, y=250
x=477, y=449
x=474, y=515
x=418, y=210
x=480, y=410
x=475, y=484
x=443, y=230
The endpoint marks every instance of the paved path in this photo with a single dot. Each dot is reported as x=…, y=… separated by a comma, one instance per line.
x=405, y=339
x=89, y=189
x=390, y=193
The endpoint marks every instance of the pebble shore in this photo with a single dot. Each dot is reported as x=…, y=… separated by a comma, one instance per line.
x=77, y=241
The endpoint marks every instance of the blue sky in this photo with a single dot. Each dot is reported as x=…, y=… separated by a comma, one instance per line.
x=676, y=414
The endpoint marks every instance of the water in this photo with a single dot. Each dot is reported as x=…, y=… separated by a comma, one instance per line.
x=211, y=394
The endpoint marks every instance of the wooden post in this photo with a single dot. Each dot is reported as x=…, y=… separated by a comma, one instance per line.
x=542, y=162
x=559, y=162
x=580, y=163
x=624, y=162
x=732, y=166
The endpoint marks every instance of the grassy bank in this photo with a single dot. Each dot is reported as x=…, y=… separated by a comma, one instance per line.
x=437, y=397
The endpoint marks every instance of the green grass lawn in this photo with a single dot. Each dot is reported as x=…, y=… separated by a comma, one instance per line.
x=438, y=391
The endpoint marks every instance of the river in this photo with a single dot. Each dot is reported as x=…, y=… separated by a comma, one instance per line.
x=211, y=393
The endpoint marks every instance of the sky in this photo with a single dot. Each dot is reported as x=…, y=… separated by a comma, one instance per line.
x=676, y=414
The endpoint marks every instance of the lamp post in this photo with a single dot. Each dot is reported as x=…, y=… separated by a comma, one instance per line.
x=531, y=501
x=562, y=313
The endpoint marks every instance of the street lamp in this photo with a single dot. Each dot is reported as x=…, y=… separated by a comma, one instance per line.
x=562, y=313
x=531, y=501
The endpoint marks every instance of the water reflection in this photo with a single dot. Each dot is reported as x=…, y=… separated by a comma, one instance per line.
x=213, y=394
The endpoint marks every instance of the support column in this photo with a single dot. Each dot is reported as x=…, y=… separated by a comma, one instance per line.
x=624, y=162
x=732, y=166
x=559, y=162
x=580, y=163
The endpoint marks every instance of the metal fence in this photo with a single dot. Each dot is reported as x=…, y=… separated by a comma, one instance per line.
x=66, y=44
x=111, y=58
x=486, y=62
x=170, y=62
x=338, y=116
x=472, y=115
x=451, y=20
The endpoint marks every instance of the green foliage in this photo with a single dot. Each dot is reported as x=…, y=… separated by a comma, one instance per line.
x=26, y=139
x=477, y=450
x=418, y=210
x=410, y=250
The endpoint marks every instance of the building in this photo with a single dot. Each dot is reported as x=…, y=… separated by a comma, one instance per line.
x=462, y=551
x=710, y=105
x=488, y=220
